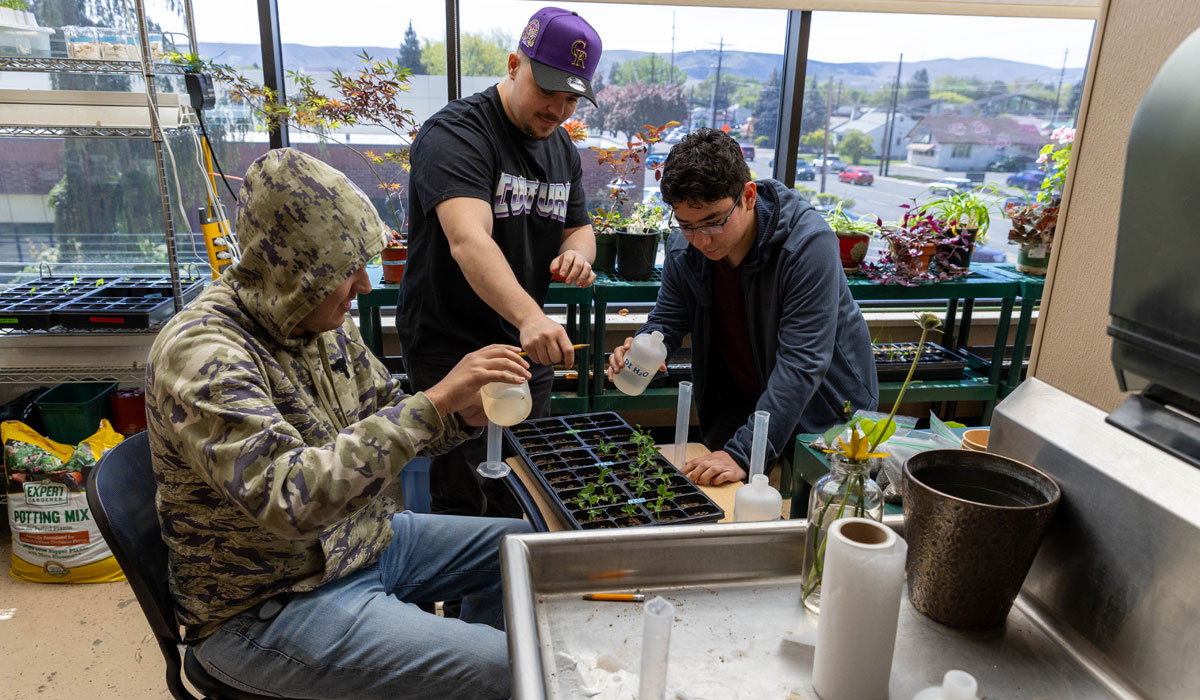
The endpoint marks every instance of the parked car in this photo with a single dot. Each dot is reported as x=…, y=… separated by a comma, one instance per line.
x=1009, y=164
x=856, y=176
x=804, y=171
x=1026, y=179
x=747, y=152
x=951, y=185
x=656, y=158
x=835, y=163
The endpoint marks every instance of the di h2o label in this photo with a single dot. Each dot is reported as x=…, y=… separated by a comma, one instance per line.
x=41, y=493
x=635, y=369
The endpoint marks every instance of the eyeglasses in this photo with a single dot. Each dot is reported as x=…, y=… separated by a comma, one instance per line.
x=707, y=229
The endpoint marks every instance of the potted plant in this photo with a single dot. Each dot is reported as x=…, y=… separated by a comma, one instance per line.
x=394, y=257
x=912, y=243
x=626, y=166
x=1033, y=225
x=854, y=236
x=637, y=241
x=967, y=216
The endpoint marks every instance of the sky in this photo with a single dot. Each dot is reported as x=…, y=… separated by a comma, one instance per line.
x=837, y=37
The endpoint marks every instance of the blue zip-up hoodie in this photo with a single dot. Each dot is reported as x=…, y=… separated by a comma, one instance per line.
x=811, y=347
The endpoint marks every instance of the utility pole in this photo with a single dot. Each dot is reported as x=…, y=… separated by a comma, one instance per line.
x=825, y=147
x=889, y=130
x=1058, y=91
x=717, y=82
x=672, y=43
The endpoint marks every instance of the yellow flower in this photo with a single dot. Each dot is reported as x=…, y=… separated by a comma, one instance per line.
x=858, y=449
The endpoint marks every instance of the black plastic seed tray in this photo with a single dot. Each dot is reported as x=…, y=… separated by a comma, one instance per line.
x=30, y=306
x=127, y=302
x=892, y=361
x=593, y=489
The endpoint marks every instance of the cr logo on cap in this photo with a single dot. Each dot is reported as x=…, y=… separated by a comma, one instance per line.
x=578, y=53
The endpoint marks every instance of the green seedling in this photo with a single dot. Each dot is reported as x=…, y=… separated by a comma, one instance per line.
x=664, y=492
x=593, y=514
x=629, y=509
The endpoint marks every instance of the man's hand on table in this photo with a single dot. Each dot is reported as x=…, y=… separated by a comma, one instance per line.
x=713, y=468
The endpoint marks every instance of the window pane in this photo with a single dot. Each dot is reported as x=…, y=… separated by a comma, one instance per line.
x=977, y=105
x=92, y=205
x=700, y=66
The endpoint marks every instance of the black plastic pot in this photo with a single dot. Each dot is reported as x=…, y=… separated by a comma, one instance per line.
x=635, y=254
x=961, y=257
x=606, y=252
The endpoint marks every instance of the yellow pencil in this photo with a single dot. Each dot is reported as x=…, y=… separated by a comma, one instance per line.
x=577, y=346
x=616, y=597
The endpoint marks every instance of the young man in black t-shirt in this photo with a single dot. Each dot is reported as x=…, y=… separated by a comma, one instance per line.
x=497, y=207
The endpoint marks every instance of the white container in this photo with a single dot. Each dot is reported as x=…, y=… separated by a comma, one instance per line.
x=757, y=500
x=19, y=39
x=642, y=361
x=506, y=404
x=956, y=685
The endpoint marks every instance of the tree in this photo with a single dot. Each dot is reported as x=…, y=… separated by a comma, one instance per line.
x=631, y=107
x=1073, y=101
x=649, y=70
x=410, y=52
x=766, y=110
x=855, y=145
x=813, y=140
x=997, y=88
x=969, y=86
x=918, y=87
x=481, y=54
x=812, y=118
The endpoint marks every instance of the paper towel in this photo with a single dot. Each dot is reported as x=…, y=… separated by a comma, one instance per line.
x=860, y=607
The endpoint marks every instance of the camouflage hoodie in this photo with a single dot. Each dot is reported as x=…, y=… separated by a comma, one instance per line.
x=271, y=451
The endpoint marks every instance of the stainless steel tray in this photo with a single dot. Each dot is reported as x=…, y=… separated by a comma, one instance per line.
x=735, y=588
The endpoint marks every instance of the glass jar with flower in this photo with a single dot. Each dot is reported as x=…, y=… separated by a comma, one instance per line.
x=848, y=490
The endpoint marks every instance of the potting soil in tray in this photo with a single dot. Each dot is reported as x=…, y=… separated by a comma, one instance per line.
x=596, y=490
x=892, y=361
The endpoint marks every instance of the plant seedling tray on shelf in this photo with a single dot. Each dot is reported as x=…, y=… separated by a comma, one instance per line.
x=30, y=306
x=128, y=302
x=892, y=361
x=564, y=453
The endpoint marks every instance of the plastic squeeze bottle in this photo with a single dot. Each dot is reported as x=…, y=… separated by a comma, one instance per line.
x=956, y=685
x=642, y=361
x=758, y=500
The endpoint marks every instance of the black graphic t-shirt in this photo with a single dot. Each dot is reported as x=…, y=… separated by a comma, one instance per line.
x=471, y=149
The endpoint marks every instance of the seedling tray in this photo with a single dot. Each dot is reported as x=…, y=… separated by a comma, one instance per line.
x=564, y=454
x=30, y=306
x=128, y=302
x=892, y=361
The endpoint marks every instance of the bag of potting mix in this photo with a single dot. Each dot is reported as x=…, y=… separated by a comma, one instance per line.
x=54, y=539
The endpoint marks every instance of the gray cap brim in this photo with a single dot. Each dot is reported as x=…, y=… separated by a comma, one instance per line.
x=556, y=80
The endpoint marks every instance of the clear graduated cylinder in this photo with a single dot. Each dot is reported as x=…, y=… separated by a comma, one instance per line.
x=645, y=356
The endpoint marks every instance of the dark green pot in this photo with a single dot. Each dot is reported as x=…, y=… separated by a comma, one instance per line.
x=606, y=252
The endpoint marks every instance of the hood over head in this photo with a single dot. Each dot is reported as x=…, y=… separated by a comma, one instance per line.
x=303, y=228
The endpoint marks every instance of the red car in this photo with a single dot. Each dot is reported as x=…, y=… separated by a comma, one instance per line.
x=856, y=176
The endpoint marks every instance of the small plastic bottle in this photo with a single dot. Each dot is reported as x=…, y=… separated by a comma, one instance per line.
x=758, y=500
x=642, y=361
x=956, y=685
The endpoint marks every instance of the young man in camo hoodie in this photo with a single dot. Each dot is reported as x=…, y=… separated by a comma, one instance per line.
x=274, y=432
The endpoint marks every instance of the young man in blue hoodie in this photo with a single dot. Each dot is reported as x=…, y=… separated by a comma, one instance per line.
x=752, y=271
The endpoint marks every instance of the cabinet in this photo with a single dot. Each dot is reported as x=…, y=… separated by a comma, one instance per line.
x=57, y=354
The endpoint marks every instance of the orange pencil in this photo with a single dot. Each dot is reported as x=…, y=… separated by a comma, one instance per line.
x=577, y=346
x=616, y=597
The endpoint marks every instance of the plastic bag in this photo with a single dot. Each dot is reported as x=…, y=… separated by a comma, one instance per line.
x=54, y=539
x=900, y=447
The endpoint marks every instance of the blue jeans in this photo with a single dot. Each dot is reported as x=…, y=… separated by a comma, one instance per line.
x=363, y=636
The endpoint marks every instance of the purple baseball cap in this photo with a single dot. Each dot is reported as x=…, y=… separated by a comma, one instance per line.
x=564, y=49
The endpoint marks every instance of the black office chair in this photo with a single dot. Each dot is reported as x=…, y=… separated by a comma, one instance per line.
x=120, y=492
